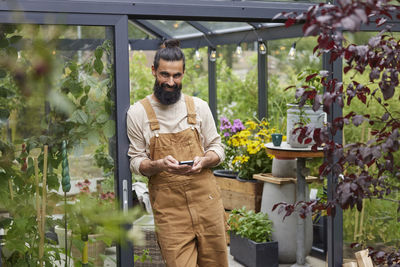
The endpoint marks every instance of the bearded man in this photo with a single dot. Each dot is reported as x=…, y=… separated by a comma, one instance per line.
x=174, y=142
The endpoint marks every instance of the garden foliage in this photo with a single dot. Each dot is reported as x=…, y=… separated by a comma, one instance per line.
x=245, y=146
x=47, y=96
x=251, y=225
x=364, y=170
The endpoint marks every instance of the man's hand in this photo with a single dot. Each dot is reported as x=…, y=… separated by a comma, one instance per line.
x=198, y=163
x=210, y=159
x=168, y=164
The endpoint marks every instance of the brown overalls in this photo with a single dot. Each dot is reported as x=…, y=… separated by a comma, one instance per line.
x=188, y=210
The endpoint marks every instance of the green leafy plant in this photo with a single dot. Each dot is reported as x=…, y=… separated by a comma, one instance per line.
x=249, y=144
x=96, y=217
x=251, y=225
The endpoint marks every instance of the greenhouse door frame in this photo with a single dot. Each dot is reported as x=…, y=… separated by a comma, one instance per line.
x=119, y=24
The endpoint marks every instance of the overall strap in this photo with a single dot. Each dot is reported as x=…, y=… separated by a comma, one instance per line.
x=191, y=111
x=151, y=115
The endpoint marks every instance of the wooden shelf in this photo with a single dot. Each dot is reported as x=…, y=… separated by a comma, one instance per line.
x=268, y=177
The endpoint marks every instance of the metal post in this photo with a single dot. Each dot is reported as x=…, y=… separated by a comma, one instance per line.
x=212, y=86
x=122, y=174
x=1, y=236
x=335, y=224
x=301, y=229
x=262, y=83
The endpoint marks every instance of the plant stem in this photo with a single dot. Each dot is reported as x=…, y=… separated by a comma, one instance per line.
x=38, y=211
x=44, y=199
x=66, y=230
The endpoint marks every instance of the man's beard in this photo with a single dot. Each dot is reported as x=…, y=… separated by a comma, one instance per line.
x=167, y=97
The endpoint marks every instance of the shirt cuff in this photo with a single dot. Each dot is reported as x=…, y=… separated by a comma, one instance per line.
x=135, y=165
x=219, y=153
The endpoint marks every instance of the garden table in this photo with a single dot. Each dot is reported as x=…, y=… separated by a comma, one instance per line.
x=301, y=154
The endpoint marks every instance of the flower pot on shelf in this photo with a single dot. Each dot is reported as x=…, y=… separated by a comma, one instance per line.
x=225, y=173
x=236, y=194
x=253, y=254
x=306, y=115
x=283, y=189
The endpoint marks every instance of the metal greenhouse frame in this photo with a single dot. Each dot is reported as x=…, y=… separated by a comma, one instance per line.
x=117, y=14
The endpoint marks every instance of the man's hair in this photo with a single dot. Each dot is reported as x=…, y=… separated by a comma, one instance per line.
x=169, y=51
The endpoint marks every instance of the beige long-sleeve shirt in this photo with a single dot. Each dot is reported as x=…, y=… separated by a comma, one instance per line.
x=172, y=119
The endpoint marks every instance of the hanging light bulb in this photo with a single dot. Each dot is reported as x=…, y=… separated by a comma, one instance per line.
x=239, y=50
x=262, y=48
x=197, y=55
x=213, y=55
x=292, y=52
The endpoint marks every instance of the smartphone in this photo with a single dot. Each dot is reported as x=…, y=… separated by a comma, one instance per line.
x=186, y=162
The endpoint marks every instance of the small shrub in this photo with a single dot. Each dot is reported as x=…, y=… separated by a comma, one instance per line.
x=251, y=225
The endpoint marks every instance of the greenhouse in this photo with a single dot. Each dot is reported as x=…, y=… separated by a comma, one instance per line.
x=302, y=97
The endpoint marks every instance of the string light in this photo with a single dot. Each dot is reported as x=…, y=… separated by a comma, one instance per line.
x=239, y=50
x=262, y=48
x=292, y=52
x=197, y=55
x=213, y=55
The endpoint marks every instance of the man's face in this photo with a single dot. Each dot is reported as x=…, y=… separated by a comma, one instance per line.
x=168, y=83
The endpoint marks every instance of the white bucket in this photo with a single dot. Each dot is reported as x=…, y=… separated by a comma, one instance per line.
x=316, y=119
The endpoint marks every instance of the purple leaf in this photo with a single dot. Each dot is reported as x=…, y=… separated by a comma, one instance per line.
x=357, y=120
x=374, y=41
x=277, y=15
x=385, y=116
x=374, y=74
x=351, y=23
x=380, y=21
x=311, y=30
x=361, y=14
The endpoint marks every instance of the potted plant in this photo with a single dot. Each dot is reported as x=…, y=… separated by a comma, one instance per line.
x=246, y=155
x=251, y=239
x=305, y=114
x=227, y=129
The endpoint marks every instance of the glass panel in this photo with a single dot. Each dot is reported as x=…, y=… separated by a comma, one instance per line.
x=219, y=27
x=175, y=28
x=286, y=68
x=376, y=226
x=62, y=101
x=134, y=32
x=195, y=81
x=297, y=1
x=237, y=72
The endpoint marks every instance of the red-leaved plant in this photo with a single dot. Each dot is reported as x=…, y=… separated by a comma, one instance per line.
x=381, y=58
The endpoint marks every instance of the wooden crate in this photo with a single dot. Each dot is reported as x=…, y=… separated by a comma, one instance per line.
x=236, y=194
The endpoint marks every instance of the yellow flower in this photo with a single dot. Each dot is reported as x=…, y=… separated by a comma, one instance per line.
x=254, y=147
x=235, y=142
x=251, y=125
x=265, y=123
x=236, y=159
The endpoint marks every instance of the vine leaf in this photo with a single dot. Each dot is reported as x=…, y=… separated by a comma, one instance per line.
x=109, y=129
x=79, y=116
x=98, y=65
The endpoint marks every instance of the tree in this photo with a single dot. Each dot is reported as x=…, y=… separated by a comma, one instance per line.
x=380, y=59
